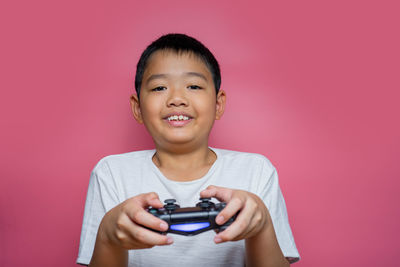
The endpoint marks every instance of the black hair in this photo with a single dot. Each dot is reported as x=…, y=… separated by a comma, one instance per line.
x=178, y=43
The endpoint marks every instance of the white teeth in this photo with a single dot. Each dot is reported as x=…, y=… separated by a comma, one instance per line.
x=177, y=118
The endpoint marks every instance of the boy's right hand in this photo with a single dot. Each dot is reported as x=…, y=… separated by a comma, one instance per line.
x=122, y=226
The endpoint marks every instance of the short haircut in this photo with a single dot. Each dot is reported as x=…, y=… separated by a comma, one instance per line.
x=178, y=43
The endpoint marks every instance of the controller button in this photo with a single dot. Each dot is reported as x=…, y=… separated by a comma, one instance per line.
x=170, y=201
x=153, y=211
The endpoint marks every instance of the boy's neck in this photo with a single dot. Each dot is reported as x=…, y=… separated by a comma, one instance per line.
x=190, y=165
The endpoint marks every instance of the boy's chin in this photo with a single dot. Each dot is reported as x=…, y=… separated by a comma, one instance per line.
x=178, y=143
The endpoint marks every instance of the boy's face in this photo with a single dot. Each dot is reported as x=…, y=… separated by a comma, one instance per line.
x=178, y=103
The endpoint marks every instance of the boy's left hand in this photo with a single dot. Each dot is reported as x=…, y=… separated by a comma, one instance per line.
x=253, y=217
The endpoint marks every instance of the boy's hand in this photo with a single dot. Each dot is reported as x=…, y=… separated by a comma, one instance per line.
x=253, y=217
x=122, y=226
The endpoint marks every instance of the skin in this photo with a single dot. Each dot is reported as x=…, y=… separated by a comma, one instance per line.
x=182, y=154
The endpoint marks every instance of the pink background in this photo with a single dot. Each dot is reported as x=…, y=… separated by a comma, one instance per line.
x=312, y=85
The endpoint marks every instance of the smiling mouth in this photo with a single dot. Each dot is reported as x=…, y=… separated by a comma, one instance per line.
x=178, y=118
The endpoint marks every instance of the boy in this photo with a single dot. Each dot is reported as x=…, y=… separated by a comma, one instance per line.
x=178, y=99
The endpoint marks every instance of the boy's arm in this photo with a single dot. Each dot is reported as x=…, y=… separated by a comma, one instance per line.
x=267, y=241
x=254, y=224
x=263, y=249
x=122, y=229
x=105, y=255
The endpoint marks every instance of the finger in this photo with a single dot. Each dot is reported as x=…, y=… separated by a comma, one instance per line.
x=233, y=231
x=144, y=218
x=257, y=222
x=231, y=209
x=148, y=237
x=253, y=228
x=221, y=193
x=155, y=203
x=141, y=235
x=238, y=227
x=151, y=199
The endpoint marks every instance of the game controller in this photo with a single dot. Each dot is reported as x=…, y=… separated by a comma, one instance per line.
x=191, y=220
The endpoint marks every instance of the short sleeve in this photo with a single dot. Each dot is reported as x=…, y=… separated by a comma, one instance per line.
x=272, y=196
x=101, y=197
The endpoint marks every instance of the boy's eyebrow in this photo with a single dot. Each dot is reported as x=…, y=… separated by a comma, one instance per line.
x=162, y=75
x=196, y=74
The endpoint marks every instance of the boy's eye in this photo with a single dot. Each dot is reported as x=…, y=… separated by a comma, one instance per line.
x=194, y=87
x=159, y=88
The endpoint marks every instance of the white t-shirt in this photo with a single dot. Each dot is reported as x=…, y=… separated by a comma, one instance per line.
x=116, y=178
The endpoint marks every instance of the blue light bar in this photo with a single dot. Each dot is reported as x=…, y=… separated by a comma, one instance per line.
x=190, y=227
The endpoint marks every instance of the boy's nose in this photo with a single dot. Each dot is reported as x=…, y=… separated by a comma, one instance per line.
x=176, y=98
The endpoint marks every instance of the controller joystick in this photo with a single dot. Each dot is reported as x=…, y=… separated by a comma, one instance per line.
x=170, y=204
x=170, y=201
x=205, y=202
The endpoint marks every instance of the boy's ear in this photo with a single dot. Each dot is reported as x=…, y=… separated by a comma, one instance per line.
x=220, y=105
x=135, y=106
